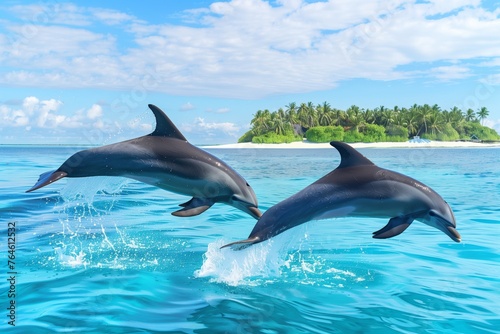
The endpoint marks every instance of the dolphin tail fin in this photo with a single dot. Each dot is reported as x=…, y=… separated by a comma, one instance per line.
x=193, y=207
x=395, y=226
x=242, y=244
x=47, y=178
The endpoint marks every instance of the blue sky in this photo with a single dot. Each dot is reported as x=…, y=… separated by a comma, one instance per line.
x=84, y=71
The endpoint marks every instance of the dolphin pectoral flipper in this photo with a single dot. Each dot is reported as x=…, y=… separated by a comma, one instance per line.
x=47, y=178
x=193, y=207
x=242, y=244
x=395, y=226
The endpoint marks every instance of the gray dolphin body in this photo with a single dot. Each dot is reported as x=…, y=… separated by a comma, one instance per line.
x=165, y=160
x=357, y=188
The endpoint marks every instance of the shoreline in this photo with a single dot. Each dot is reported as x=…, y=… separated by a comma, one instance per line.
x=308, y=145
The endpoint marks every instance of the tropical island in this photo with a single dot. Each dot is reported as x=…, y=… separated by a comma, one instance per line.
x=322, y=123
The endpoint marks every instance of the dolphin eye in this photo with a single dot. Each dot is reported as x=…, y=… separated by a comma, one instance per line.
x=247, y=184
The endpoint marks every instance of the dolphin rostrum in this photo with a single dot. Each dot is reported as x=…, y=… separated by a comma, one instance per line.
x=166, y=160
x=357, y=188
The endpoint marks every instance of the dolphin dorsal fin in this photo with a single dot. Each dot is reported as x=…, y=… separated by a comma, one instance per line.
x=348, y=156
x=164, y=126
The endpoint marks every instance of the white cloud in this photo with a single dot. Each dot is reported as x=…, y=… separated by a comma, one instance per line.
x=200, y=126
x=111, y=17
x=491, y=80
x=13, y=117
x=48, y=122
x=32, y=112
x=136, y=124
x=46, y=114
x=30, y=103
x=53, y=13
x=447, y=73
x=94, y=112
x=248, y=49
x=68, y=14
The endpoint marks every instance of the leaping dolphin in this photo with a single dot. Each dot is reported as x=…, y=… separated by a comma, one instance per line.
x=357, y=188
x=166, y=160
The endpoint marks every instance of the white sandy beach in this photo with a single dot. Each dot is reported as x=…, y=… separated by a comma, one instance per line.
x=306, y=144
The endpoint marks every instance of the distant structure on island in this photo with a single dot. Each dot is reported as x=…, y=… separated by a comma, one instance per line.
x=418, y=140
x=299, y=130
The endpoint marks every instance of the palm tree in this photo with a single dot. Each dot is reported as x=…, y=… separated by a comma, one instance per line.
x=456, y=117
x=482, y=114
x=411, y=121
x=324, y=112
x=369, y=116
x=302, y=114
x=436, y=109
x=339, y=116
x=261, y=122
x=470, y=115
x=399, y=118
x=307, y=115
x=377, y=112
x=256, y=122
x=424, y=113
x=278, y=122
x=387, y=115
x=417, y=118
x=354, y=117
x=291, y=113
x=312, y=116
x=435, y=122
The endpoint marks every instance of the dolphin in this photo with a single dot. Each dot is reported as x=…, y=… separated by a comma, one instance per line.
x=357, y=188
x=164, y=159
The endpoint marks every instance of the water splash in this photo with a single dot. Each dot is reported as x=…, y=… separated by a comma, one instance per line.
x=86, y=189
x=288, y=257
x=263, y=260
x=86, y=239
x=253, y=265
x=73, y=260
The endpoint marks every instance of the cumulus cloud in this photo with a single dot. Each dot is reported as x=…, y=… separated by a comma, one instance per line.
x=137, y=124
x=13, y=117
x=48, y=121
x=33, y=112
x=212, y=129
x=447, y=73
x=248, y=49
x=94, y=112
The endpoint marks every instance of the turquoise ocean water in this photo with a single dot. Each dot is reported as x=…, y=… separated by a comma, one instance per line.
x=104, y=255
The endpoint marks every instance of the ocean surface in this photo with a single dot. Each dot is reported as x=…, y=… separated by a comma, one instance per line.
x=104, y=255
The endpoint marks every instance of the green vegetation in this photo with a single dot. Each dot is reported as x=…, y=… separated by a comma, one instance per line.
x=274, y=138
x=479, y=131
x=325, y=134
x=324, y=124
